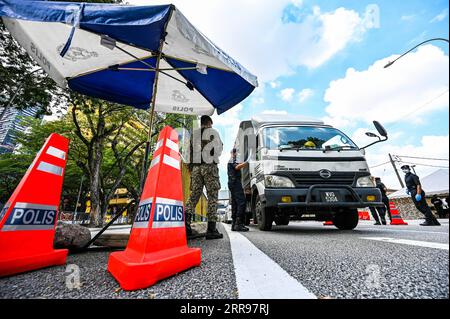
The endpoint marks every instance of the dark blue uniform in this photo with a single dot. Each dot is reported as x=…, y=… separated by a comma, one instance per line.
x=238, y=203
x=412, y=181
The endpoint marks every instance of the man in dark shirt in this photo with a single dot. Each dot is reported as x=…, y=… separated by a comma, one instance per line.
x=379, y=213
x=414, y=188
x=237, y=201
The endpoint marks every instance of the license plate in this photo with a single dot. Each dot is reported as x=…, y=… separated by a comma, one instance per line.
x=330, y=197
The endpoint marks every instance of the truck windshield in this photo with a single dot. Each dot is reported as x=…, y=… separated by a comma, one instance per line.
x=305, y=138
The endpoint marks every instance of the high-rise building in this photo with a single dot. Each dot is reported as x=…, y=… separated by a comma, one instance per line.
x=13, y=120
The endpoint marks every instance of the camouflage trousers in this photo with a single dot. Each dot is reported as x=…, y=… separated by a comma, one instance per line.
x=204, y=175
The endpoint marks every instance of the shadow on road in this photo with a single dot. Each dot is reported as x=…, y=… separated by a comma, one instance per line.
x=309, y=230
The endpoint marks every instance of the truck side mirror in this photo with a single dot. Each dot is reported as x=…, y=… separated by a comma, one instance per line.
x=380, y=129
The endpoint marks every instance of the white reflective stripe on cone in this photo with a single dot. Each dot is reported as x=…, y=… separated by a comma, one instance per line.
x=159, y=144
x=50, y=168
x=172, y=145
x=35, y=206
x=155, y=161
x=168, y=160
x=56, y=152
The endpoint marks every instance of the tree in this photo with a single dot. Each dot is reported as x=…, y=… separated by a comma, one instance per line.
x=22, y=83
x=106, y=139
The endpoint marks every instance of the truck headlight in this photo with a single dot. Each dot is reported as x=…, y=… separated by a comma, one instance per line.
x=278, y=181
x=365, y=181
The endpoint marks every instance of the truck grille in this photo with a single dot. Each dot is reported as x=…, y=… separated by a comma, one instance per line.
x=311, y=178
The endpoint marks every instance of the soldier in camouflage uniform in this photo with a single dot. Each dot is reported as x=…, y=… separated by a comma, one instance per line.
x=205, y=149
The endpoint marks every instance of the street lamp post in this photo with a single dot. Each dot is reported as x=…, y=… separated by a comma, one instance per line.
x=434, y=39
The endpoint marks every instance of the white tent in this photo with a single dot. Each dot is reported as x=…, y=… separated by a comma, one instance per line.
x=435, y=183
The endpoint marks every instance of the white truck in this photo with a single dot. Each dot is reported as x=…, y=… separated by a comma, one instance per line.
x=302, y=169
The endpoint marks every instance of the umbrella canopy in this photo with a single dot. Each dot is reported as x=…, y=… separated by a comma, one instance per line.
x=132, y=55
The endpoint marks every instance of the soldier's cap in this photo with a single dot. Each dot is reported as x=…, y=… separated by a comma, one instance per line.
x=405, y=167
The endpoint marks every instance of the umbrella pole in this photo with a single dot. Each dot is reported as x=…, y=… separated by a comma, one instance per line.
x=152, y=116
x=153, y=102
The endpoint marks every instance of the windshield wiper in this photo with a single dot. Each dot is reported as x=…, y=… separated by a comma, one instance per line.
x=285, y=148
x=338, y=148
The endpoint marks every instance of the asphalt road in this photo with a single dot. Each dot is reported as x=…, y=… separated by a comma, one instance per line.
x=301, y=260
x=344, y=264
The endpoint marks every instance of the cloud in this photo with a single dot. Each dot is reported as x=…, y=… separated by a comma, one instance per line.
x=287, y=94
x=275, y=112
x=257, y=101
x=406, y=91
x=258, y=95
x=305, y=94
x=431, y=146
x=408, y=17
x=441, y=16
x=266, y=45
x=275, y=84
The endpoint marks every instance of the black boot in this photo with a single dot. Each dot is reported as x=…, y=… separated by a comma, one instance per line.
x=212, y=232
x=435, y=222
x=428, y=222
x=383, y=220
x=240, y=226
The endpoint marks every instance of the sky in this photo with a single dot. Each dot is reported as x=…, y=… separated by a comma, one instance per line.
x=324, y=59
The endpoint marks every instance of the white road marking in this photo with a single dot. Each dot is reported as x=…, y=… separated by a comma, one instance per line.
x=258, y=276
x=409, y=242
x=404, y=230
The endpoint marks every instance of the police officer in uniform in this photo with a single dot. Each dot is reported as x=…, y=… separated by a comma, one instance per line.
x=237, y=201
x=205, y=150
x=384, y=198
x=414, y=188
x=381, y=211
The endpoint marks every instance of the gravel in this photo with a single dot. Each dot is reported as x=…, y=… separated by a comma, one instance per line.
x=213, y=279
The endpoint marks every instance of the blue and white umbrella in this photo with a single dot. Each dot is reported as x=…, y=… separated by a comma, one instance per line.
x=142, y=56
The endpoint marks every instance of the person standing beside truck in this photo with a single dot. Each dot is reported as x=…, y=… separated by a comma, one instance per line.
x=414, y=188
x=238, y=202
x=384, y=198
x=205, y=150
x=379, y=213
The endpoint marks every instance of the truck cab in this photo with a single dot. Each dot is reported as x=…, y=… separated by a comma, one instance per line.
x=300, y=168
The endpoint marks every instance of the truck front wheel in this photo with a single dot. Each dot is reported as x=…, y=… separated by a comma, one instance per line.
x=264, y=215
x=346, y=220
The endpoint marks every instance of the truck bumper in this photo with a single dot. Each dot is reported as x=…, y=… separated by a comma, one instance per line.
x=312, y=197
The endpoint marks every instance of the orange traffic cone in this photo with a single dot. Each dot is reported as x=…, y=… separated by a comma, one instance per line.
x=396, y=219
x=364, y=215
x=28, y=219
x=157, y=247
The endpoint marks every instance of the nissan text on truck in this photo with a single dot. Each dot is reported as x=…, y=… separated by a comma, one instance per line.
x=302, y=169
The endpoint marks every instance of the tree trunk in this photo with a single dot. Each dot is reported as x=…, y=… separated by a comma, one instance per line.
x=96, y=206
